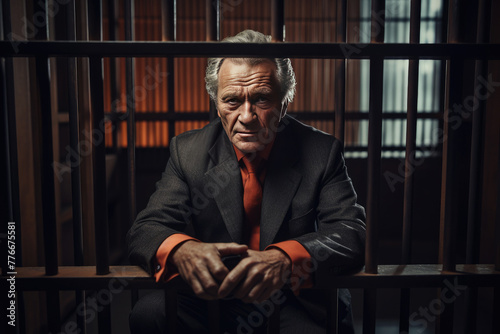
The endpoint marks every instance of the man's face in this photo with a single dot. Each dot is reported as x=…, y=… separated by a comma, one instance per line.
x=249, y=103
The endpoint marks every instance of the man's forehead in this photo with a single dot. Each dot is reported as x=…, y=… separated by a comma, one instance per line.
x=244, y=74
x=230, y=65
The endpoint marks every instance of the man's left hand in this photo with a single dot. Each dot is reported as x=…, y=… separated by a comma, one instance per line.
x=257, y=276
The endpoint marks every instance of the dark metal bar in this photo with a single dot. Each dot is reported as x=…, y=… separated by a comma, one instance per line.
x=99, y=167
x=332, y=311
x=213, y=34
x=168, y=28
x=475, y=178
x=374, y=162
x=389, y=276
x=302, y=115
x=278, y=20
x=48, y=189
x=131, y=124
x=369, y=310
x=212, y=20
x=131, y=121
x=104, y=318
x=99, y=160
x=411, y=135
x=11, y=174
x=114, y=67
x=171, y=308
x=374, y=147
x=496, y=308
x=74, y=144
x=340, y=72
x=289, y=50
x=476, y=166
x=448, y=216
x=449, y=219
x=47, y=160
x=76, y=189
x=168, y=20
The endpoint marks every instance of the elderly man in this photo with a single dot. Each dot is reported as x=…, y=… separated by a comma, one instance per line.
x=250, y=210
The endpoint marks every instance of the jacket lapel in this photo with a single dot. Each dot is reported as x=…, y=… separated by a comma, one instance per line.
x=226, y=174
x=281, y=183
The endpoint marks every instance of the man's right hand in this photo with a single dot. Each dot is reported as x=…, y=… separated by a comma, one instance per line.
x=200, y=265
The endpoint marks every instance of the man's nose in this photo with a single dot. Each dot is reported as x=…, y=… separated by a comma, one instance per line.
x=247, y=114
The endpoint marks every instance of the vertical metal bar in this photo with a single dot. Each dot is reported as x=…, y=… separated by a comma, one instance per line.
x=76, y=196
x=475, y=200
x=369, y=310
x=171, y=308
x=278, y=20
x=48, y=189
x=74, y=143
x=47, y=159
x=340, y=72
x=114, y=70
x=476, y=166
x=10, y=138
x=131, y=123
x=99, y=160
x=213, y=34
x=411, y=135
x=99, y=167
x=374, y=144
x=99, y=150
x=10, y=177
x=374, y=160
x=447, y=233
x=496, y=295
x=212, y=20
x=448, y=219
x=168, y=27
x=332, y=312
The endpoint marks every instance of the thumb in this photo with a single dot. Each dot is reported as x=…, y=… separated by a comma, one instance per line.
x=231, y=248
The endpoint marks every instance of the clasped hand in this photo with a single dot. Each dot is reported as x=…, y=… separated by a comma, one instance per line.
x=254, y=279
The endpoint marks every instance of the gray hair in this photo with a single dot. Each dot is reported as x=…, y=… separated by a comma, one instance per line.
x=286, y=76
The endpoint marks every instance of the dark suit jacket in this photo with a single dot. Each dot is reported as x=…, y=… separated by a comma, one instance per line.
x=307, y=197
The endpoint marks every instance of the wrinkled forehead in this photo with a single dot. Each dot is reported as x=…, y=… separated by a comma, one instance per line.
x=239, y=71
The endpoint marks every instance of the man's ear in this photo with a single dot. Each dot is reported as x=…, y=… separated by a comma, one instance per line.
x=284, y=107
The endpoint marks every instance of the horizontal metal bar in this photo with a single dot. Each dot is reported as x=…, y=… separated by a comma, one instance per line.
x=389, y=276
x=213, y=49
x=301, y=115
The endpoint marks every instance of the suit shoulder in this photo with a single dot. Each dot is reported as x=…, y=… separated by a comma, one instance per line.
x=312, y=137
x=211, y=130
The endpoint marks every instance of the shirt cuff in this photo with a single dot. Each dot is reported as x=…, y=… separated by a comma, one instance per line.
x=300, y=276
x=164, y=271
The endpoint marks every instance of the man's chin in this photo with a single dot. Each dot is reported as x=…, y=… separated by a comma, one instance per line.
x=247, y=147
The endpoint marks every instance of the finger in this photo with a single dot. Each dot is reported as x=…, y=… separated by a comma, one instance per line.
x=217, y=269
x=260, y=294
x=231, y=248
x=252, y=281
x=207, y=282
x=232, y=280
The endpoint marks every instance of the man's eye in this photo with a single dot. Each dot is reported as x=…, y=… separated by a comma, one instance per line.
x=232, y=101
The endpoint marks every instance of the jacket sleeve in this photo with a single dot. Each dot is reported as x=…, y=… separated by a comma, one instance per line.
x=338, y=243
x=167, y=212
